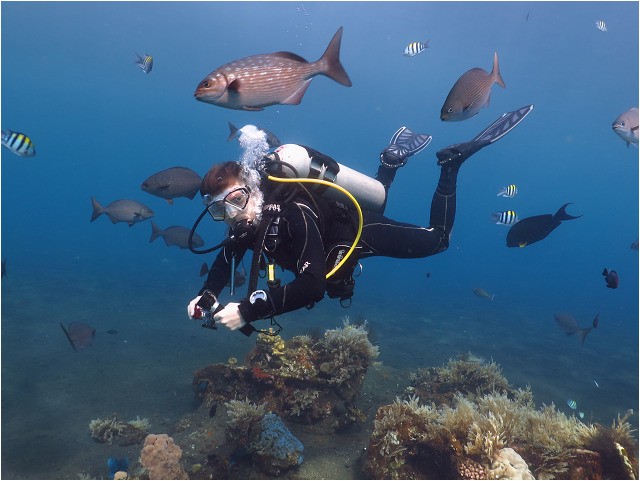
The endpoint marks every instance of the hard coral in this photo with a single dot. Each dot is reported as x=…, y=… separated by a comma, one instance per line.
x=470, y=469
x=161, y=457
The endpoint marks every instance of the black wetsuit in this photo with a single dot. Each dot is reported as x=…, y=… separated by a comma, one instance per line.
x=299, y=246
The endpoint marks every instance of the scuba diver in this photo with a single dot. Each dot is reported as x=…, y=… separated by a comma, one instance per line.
x=311, y=233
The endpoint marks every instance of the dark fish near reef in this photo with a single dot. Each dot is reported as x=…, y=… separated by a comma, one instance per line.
x=145, y=63
x=175, y=236
x=255, y=82
x=596, y=320
x=80, y=335
x=173, y=182
x=18, y=143
x=124, y=210
x=626, y=126
x=570, y=326
x=480, y=292
x=534, y=229
x=471, y=92
x=214, y=408
x=611, y=278
x=272, y=140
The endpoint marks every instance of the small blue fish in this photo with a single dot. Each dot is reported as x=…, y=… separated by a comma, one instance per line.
x=572, y=404
x=507, y=217
x=414, y=48
x=18, y=143
x=600, y=25
x=145, y=63
x=508, y=191
x=581, y=414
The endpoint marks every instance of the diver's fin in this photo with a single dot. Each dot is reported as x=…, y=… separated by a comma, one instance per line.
x=404, y=144
x=503, y=125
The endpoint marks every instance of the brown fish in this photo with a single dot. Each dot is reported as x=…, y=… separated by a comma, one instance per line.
x=480, y=292
x=175, y=236
x=124, y=210
x=173, y=182
x=570, y=326
x=255, y=82
x=471, y=92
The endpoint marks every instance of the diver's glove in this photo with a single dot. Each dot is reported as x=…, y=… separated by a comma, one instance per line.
x=403, y=145
x=230, y=317
x=456, y=154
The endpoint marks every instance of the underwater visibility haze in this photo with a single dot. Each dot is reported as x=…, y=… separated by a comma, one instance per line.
x=104, y=91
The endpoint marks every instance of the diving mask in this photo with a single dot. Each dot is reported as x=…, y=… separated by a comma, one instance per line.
x=235, y=200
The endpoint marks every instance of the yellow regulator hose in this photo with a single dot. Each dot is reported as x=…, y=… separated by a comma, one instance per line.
x=345, y=192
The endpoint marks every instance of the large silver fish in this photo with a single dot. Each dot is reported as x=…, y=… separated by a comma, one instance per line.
x=471, y=92
x=175, y=236
x=255, y=82
x=124, y=210
x=626, y=126
x=173, y=182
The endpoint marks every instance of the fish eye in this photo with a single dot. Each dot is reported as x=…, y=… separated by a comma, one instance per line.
x=622, y=123
x=450, y=110
x=205, y=84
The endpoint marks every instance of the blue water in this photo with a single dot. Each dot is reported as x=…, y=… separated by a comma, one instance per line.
x=101, y=126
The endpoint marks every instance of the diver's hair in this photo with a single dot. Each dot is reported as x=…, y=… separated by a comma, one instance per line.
x=222, y=176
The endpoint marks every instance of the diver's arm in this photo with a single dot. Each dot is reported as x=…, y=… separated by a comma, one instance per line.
x=309, y=285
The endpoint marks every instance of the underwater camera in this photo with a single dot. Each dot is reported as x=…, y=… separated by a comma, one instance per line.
x=208, y=305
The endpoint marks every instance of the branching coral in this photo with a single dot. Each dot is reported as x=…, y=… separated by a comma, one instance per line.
x=125, y=434
x=242, y=416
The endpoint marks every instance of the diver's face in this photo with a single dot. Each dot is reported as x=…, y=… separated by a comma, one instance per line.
x=231, y=205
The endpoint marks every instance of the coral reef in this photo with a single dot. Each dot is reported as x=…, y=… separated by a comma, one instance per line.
x=161, y=457
x=123, y=433
x=494, y=435
x=304, y=379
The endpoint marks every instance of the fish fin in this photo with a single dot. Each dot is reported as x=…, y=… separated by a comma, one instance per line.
x=114, y=220
x=628, y=144
x=254, y=109
x=296, y=97
x=170, y=201
x=234, y=86
x=289, y=56
x=98, y=210
x=561, y=214
x=522, y=244
x=583, y=334
x=155, y=231
x=495, y=73
x=330, y=61
x=605, y=272
x=66, y=333
x=233, y=131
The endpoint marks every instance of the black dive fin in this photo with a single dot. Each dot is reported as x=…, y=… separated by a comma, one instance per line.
x=503, y=125
x=404, y=144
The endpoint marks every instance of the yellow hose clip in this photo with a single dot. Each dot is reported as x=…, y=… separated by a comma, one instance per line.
x=345, y=192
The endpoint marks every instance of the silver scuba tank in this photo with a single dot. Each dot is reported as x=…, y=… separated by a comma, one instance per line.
x=311, y=164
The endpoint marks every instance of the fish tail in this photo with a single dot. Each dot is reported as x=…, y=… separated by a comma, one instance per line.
x=495, y=217
x=233, y=130
x=562, y=214
x=330, y=61
x=98, y=210
x=495, y=72
x=583, y=333
x=155, y=231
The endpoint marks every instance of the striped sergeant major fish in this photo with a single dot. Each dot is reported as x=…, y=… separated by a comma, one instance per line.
x=414, y=48
x=600, y=25
x=145, y=63
x=18, y=143
x=507, y=217
x=508, y=191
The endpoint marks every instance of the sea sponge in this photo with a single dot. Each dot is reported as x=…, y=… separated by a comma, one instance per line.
x=161, y=457
x=276, y=448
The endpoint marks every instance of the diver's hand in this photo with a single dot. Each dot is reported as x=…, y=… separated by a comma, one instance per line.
x=193, y=311
x=230, y=317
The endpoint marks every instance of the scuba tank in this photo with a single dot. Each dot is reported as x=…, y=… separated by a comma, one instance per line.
x=290, y=160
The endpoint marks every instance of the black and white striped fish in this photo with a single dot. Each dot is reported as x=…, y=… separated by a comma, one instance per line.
x=145, y=63
x=508, y=191
x=18, y=143
x=507, y=217
x=600, y=25
x=414, y=48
